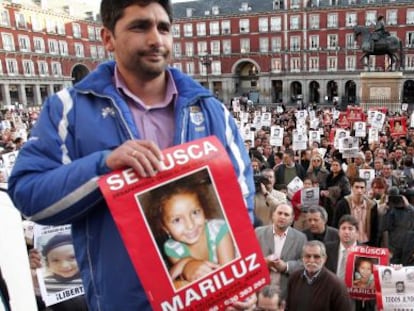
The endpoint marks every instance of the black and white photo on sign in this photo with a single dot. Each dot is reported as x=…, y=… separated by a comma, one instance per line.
x=378, y=121
x=412, y=120
x=8, y=161
x=248, y=133
x=368, y=175
x=276, y=136
x=314, y=136
x=339, y=133
x=244, y=117
x=59, y=277
x=266, y=119
x=310, y=196
x=348, y=146
x=373, y=136
x=295, y=185
x=236, y=105
x=360, y=129
x=299, y=140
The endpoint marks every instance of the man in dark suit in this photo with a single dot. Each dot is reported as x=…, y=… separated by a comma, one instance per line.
x=337, y=253
x=281, y=246
x=316, y=220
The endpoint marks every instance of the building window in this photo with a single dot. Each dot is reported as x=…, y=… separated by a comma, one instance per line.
x=189, y=49
x=295, y=64
x=101, y=52
x=225, y=27
x=56, y=69
x=350, y=63
x=177, y=49
x=276, y=44
x=314, y=21
x=370, y=18
x=295, y=4
x=53, y=46
x=60, y=25
x=264, y=45
x=332, y=41
x=1, y=67
x=11, y=66
x=91, y=33
x=276, y=65
x=295, y=43
x=4, y=18
x=51, y=26
x=294, y=22
x=43, y=68
x=79, y=52
x=190, y=68
x=410, y=16
x=275, y=23
x=332, y=20
x=227, y=47
x=331, y=64
x=176, y=30
x=263, y=24
x=93, y=51
x=214, y=28
x=202, y=48
x=244, y=25
x=350, y=41
x=8, y=41
x=314, y=64
x=215, y=10
x=76, y=28
x=216, y=67
x=410, y=39
x=201, y=29
x=39, y=45
x=24, y=43
x=245, y=45
x=63, y=48
x=188, y=30
x=351, y=19
x=409, y=62
x=314, y=42
x=392, y=17
x=37, y=23
x=215, y=47
x=20, y=20
x=28, y=68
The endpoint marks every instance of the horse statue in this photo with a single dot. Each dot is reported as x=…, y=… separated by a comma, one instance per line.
x=388, y=45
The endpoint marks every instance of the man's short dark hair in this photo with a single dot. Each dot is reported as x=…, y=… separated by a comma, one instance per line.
x=269, y=291
x=319, y=209
x=350, y=219
x=113, y=10
x=359, y=179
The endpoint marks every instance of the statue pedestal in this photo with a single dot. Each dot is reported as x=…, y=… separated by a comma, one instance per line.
x=381, y=89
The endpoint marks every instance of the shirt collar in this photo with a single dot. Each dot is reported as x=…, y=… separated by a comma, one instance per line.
x=283, y=235
x=311, y=279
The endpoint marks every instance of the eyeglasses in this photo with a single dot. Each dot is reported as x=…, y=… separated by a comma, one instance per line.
x=309, y=256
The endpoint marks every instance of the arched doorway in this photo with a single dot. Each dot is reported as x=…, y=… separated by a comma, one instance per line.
x=408, y=92
x=277, y=91
x=350, y=93
x=295, y=92
x=331, y=91
x=247, y=76
x=314, y=95
x=79, y=72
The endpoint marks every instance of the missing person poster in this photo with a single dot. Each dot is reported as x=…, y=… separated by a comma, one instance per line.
x=395, y=288
x=190, y=224
x=359, y=277
x=59, y=277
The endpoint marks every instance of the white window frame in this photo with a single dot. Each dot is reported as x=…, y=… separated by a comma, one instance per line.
x=351, y=19
x=190, y=68
x=244, y=25
x=276, y=44
x=28, y=68
x=63, y=48
x=295, y=64
x=263, y=24
x=37, y=23
x=225, y=27
x=332, y=41
x=91, y=33
x=4, y=17
x=61, y=30
x=215, y=47
x=216, y=68
x=331, y=63
x=24, y=43
x=43, y=68
x=101, y=52
x=409, y=62
x=76, y=30
x=350, y=63
x=314, y=42
x=8, y=41
x=276, y=65
x=409, y=39
x=12, y=67
x=201, y=29
x=370, y=18
x=314, y=21
x=313, y=64
x=21, y=22
x=214, y=28
x=332, y=21
x=264, y=45
x=202, y=48
x=294, y=22
x=294, y=43
x=177, y=52
x=53, y=46
x=51, y=26
x=93, y=51
x=410, y=17
x=39, y=45
x=188, y=30
x=175, y=29
x=189, y=49
x=245, y=45
x=276, y=23
x=350, y=41
x=79, y=49
x=226, y=47
x=392, y=17
x=56, y=69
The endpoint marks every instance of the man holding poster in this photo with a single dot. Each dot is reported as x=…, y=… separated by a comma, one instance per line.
x=120, y=115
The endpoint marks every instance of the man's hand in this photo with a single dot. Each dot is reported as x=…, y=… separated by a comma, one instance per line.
x=247, y=305
x=142, y=155
x=35, y=259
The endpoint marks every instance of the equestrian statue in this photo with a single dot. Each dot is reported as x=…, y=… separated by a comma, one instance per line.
x=380, y=42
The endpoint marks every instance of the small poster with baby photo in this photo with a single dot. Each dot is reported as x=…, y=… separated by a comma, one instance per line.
x=59, y=276
x=190, y=224
x=359, y=276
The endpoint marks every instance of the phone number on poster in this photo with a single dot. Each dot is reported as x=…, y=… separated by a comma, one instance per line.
x=245, y=292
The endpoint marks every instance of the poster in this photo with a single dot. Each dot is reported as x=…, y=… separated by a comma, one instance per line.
x=359, y=276
x=394, y=288
x=398, y=126
x=360, y=129
x=59, y=277
x=276, y=136
x=299, y=140
x=310, y=196
x=182, y=217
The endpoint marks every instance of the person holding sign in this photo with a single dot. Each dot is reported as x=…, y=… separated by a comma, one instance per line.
x=120, y=115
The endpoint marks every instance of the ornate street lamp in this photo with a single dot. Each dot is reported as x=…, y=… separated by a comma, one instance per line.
x=206, y=62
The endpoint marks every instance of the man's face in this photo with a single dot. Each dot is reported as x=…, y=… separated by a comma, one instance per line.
x=378, y=165
x=347, y=233
x=315, y=223
x=358, y=189
x=287, y=159
x=386, y=171
x=141, y=42
x=313, y=259
x=282, y=217
x=398, y=154
x=267, y=303
x=270, y=175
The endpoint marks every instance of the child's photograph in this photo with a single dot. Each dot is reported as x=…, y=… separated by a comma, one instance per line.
x=189, y=227
x=363, y=272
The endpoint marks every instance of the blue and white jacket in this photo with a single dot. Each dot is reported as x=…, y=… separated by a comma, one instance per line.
x=54, y=180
